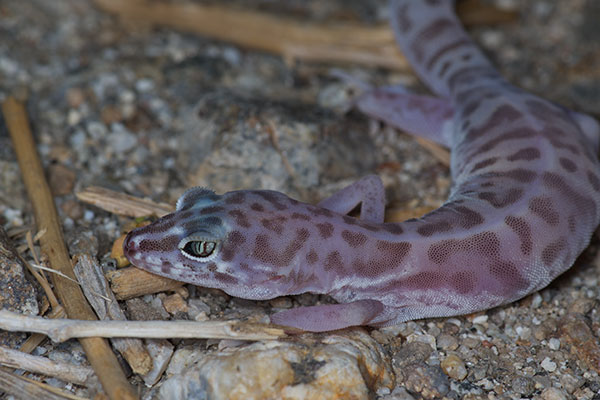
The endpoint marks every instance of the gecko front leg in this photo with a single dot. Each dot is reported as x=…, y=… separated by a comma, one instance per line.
x=329, y=317
x=367, y=191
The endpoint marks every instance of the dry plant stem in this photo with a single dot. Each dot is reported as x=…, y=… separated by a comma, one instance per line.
x=22, y=388
x=440, y=153
x=101, y=298
x=60, y=330
x=122, y=204
x=40, y=365
x=292, y=39
x=98, y=351
x=127, y=283
x=34, y=340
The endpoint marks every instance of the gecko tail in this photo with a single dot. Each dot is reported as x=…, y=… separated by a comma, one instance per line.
x=437, y=46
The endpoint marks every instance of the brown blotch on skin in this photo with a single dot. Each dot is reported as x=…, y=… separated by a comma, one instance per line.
x=509, y=276
x=333, y=261
x=230, y=246
x=312, y=256
x=162, y=225
x=273, y=198
x=444, y=50
x=445, y=66
x=554, y=181
x=213, y=221
x=567, y=164
x=559, y=144
x=245, y=267
x=275, y=224
x=543, y=110
x=257, y=207
x=211, y=210
x=463, y=281
x=211, y=266
x=350, y=220
x=294, y=246
x=522, y=229
x=354, y=239
x=166, y=267
x=518, y=174
x=431, y=228
x=501, y=116
x=485, y=243
x=370, y=226
x=397, y=250
x=404, y=22
x=468, y=218
x=235, y=198
x=425, y=280
x=482, y=164
x=552, y=251
x=300, y=216
x=325, y=229
x=240, y=218
x=319, y=211
x=469, y=73
x=514, y=134
x=165, y=244
x=544, y=208
x=225, y=278
x=572, y=223
x=263, y=252
x=594, y=181
x=392, y=227
x=503, y=199
x=427, y=34
x=526, y=154
x=440, y=252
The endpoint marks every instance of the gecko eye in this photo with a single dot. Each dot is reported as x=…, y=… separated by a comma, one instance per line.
x=198, y=249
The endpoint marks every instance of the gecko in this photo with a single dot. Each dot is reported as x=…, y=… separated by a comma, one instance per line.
x=524, y=202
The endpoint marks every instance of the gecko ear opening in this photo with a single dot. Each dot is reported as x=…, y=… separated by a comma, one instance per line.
x=199, y=248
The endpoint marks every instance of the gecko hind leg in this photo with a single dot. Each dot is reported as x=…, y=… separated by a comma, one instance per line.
x=425, y=116
x=329, y=317
x=367, y=191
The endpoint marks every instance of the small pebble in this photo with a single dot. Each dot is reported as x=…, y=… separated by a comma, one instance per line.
x=281, y=302
x=523, y=385
x=548, y=364
x=447, y=342
x=553, y=394
x=175, y=304
x=454, y=367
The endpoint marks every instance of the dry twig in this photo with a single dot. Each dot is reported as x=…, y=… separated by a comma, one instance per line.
x=26, y=389
x=60, y=330
x=98, y=351
x=41, y=365
x=122, y=204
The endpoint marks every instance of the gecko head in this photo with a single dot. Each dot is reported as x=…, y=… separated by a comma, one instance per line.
x=210, y=240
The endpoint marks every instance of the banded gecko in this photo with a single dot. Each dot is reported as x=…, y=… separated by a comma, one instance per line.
x=524, y=203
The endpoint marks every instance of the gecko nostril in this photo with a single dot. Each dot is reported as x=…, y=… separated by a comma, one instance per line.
x=128, y=244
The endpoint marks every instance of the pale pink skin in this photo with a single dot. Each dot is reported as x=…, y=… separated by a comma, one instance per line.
x=524, y=204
